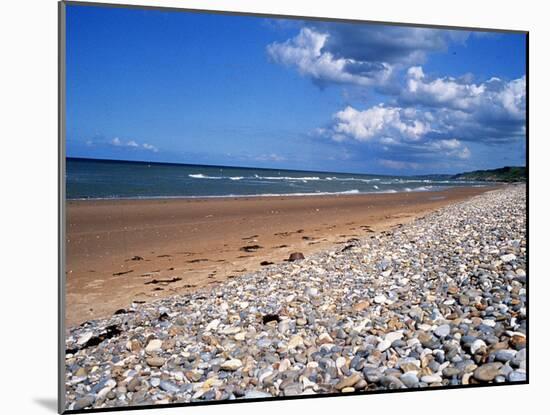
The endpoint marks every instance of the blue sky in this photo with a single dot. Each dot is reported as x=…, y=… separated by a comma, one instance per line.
x=248, y=91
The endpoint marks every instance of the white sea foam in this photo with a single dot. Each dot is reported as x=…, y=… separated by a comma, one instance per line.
x=307, y=178
x=287, y=178
x=202, y=176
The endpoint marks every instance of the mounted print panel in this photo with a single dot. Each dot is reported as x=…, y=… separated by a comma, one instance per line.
x=265, y=207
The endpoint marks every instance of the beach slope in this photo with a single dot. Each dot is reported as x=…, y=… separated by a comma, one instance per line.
x=121, y=251
x=439, y=301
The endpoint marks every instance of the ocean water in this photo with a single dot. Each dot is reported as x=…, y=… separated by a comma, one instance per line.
x=105, y=179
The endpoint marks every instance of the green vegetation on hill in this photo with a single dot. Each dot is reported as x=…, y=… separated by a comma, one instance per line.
x=504, y=174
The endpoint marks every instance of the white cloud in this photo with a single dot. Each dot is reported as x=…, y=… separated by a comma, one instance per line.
x=441, y=91
x=424, y=116
x=150, y=147
x=305, y=52
x=133, y=144
x=451, y=144
x=512, y=97
x=407, y=131
x=364, y=55
x=379, y=121
x=450, y=148
x=415, y=72
x=444, y=111
x=506, y=99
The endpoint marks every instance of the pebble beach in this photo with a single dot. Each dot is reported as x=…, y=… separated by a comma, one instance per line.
x=440, y=301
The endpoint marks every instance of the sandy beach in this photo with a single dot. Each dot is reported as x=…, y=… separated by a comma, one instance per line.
x=124, y=251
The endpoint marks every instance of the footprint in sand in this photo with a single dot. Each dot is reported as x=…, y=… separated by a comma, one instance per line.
x=167, y=281
x=250, y=248
x=193, y=261
x=116, y=274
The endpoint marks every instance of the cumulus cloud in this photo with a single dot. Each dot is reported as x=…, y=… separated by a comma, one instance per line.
x=423, y=116
x=382, y=43
x=495, y=96
x=492, y=112
x=364, y=55
x=395, y=129
x=305, y=52
x=379, y=121
x=437, y=116
x=441, y=91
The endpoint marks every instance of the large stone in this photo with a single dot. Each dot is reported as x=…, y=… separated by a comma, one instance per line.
x=443, y=331
x=360, y=306
x=84, y=338
x=431, y=379
x=508, y=258
x=296, y=256
x=349, y=381
x=478, y=346
x=383, y=345
x=380, y=299
x=295, y=342
x=505, y=355
x=324, y=338
x=409, y=379
x=213, y=325
x=154, y=345
x=488, y=371
x=168, y=387
x=84, y=402
x=393, y=336
x=155, y=361
x=232, y=365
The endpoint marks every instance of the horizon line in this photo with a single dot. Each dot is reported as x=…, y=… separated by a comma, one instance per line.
x=270, y=168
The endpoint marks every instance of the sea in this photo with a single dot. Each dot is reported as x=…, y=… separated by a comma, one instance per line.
x=110, y=179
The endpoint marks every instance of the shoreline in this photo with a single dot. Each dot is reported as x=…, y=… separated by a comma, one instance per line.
x=439, y=301
x=121, y=251
x=275, y=195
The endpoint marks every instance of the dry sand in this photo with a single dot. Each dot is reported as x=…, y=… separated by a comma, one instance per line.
x=119, y=251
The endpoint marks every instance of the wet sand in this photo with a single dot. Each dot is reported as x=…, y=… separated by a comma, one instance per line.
x=120, y=251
